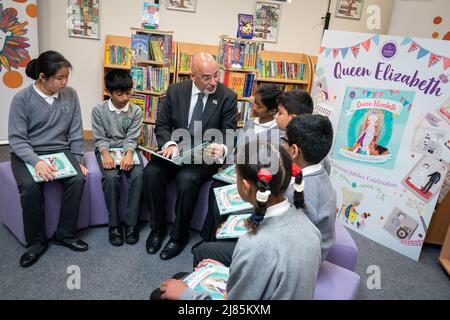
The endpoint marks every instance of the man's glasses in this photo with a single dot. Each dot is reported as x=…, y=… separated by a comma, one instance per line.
x=209, y=77
x=284, y=140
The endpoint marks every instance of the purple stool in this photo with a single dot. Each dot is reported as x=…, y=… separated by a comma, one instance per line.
x=344, y=253
x=11, y=209
x=99, y=212
x=336, y=283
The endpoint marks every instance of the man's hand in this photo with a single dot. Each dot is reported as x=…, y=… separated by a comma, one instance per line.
x=108, y=162
x=45, y=171
x=170, y=152
x=127, y=162
x=84, y=170
x=214, y=151
x=172, y=289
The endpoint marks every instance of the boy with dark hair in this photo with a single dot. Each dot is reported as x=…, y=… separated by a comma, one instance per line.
x=308, y=140
x=117, y=123
x=291, y=104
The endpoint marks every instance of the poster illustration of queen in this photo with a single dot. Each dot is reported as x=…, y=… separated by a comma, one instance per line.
x=371, y=126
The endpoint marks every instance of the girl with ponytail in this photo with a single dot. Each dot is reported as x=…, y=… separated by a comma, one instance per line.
x=279, y=258
x=45, y=118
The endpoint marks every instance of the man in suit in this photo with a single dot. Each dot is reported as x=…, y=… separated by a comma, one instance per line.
x=195, y=106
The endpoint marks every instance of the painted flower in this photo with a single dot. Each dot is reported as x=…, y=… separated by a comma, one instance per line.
x=13, y=44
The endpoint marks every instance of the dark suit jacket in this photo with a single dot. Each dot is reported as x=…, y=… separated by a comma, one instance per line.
x=220, y=111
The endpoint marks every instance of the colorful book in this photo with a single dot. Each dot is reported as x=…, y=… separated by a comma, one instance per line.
x=140, y=46
x=64, y=167
x=211, y=278
x=118, y=153
x=245, y=26
x=229, y=201
x=227, y=175
x=190, y=156
x=150, y=16
x=233, y=227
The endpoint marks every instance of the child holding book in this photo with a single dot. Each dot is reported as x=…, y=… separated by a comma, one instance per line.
x=117, y=123
x=280, y=257
x=45, y=118
x=308, y=140
x=261, y=127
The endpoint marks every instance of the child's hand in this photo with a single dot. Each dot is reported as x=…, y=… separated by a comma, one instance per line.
x=44, y=171
x=84, y=170
x=204, y=262
x=219, y=228
x=127, y=162
x=172, y=289
x=108, y=162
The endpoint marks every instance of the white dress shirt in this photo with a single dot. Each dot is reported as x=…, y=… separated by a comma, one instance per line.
x=49, y=99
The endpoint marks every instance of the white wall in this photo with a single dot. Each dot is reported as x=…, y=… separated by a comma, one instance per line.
x=300, y=31
x=415, y=18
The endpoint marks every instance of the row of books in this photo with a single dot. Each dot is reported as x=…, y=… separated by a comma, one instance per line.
x=150, y=105
x=239, y=55
x=282, y=70
x=150, y=78
x=185, y=61
x=244, y=112
x=118, y=55
x=153, y=47
x=239, y=82
x=148, y=136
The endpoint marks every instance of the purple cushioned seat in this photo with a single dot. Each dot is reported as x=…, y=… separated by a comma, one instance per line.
x=11, y=209
x=344, y=253
x=99, y=212
x=336, y=283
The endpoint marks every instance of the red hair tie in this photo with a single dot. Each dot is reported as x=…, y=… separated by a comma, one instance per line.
x=264, y=174
x=296, y=170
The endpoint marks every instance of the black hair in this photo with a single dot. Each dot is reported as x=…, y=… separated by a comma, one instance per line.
x=48, y=63
x=299, y=197
x=313, y=134
x=269, y=95
x=296, y=102
x=256, y=156
x=118, y=80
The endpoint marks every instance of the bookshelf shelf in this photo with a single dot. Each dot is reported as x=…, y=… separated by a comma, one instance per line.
x=238, y=69
x=116, y=66
x=151, y=62
x=153, y=93
x=149, y=122
x=152, y=31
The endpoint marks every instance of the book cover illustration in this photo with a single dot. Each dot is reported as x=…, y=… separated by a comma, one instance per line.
x=227, y=175
x=118, y=153
x=426, y=177
x=229, y=200
x=245, y=26
x=371, y=126
x=400, y=225
x=64, y=167
x=233, y=227
x=211, y=278
x=428, y=141
x=150, y=16
x=140, y=46
x=444, y=111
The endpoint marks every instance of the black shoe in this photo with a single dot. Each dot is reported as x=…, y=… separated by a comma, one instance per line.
x=131, y=235
x=172, y=249
x=195, y=246
x=154, y=240
x=116, y=236
x=32, y=255
x=71, y=243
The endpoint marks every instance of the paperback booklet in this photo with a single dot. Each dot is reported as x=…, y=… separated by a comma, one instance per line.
x=150, y=17
x=190, y=156
x=245, y=26
x=63, y=165
x=227, y=175
x=229, y=201
x=118, y=153
x=211, y=278
x=234, y=227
